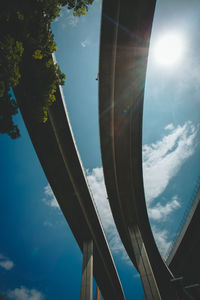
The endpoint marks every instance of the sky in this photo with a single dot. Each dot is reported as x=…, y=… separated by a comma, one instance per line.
x=39, y=257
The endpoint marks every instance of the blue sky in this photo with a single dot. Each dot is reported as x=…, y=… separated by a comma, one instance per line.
x=39, y=258
x=171, y=121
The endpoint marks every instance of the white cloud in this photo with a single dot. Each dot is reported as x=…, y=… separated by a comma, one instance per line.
x=49, y=198
x=47, y=224
x=162, y=160
x=161, y=238
x=67, y=18
x=23, y=293
x=71, y=20
x=6, y=263
x=160, y=212
x=97, y=185
x=85, y=43
x=169, y=127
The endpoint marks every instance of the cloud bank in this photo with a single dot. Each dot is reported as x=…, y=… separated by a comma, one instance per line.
x=161, y=162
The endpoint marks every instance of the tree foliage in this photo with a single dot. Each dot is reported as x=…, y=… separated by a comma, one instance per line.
x=8, y=108
x=80, y=7
x=26, y=47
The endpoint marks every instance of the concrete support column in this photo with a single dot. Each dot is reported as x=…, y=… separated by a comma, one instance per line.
x=144, y=266
x=87, y=271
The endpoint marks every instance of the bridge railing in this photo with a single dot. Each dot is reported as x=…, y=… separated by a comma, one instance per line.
x=188, y=213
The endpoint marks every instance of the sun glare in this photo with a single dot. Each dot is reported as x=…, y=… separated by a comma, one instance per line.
x=169, y=49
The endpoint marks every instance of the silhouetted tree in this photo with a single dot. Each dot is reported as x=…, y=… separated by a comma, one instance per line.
x=26, y=45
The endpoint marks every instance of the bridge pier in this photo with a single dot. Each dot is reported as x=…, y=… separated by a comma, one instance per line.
x=87, y=271
x=144, y=267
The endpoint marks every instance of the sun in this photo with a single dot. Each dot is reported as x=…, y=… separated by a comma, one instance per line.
x=168, y=50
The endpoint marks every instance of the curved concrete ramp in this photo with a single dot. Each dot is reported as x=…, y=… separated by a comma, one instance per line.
x=58, y=155
x=125, y=35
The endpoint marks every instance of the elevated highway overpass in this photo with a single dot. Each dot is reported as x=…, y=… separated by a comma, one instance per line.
x=59, y=158
x=125, y=34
